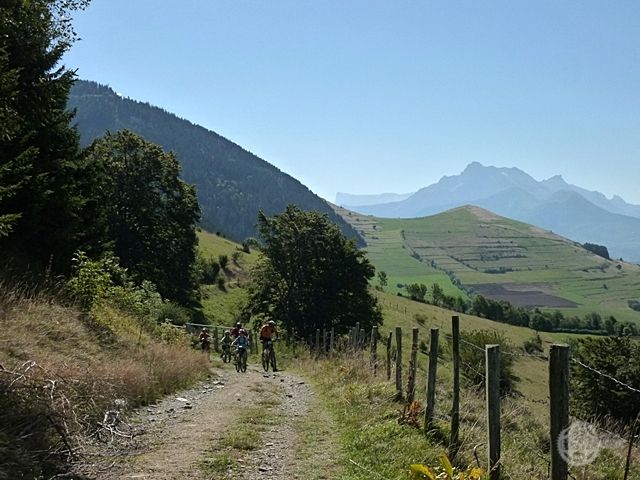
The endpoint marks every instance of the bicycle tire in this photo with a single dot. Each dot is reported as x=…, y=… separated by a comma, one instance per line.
x=243, y=361
x=265, y=361
x=272, y=360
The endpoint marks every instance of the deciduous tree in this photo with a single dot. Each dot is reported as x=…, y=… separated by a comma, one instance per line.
x=310, y=276
x=143, y=212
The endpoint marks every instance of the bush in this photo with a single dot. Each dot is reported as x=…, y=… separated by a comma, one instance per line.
x=221, y=284
x=223, y=260
x=533, y=345
x=594, y=395
x=472, y=359
x=175, y=314
x=207, y=270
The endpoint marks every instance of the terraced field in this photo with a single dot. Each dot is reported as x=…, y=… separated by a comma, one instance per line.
x=500, y=258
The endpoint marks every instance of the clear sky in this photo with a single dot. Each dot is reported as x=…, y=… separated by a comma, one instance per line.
x=367, y=96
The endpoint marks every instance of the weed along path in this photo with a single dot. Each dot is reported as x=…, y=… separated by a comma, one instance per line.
x=254, y=425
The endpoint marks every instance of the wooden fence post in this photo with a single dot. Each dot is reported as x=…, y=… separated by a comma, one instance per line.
x=431, y=380
x=389, y=355
x=215, y=340
x=492, y=362
x=356, y=335
x=361, y=339
x=324, y=341
x=374, y=349
x=454, y=444
x=635, y=428
x=331, y=340
x=411, y=384
x=398, y=363
x=559, y=409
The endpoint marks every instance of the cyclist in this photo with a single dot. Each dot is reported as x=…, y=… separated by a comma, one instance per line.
x=242, y=340
x=236, y=330
x=205, y=340
x=267, y=333
x=226, y=342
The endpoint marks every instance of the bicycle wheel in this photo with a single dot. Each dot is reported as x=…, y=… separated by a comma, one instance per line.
x=237, y=362
x=272, y=359
x=243, y=361
x=265, y=360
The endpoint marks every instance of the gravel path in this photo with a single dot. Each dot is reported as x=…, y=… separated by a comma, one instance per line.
x=182, y=430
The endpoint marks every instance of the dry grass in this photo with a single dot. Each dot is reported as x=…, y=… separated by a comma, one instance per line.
x=61, y=370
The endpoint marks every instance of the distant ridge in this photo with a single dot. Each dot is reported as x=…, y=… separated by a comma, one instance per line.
x=351, y=200
x=573, y=212
x=232, y=183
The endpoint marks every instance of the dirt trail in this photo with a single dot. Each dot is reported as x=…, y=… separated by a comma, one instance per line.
x=186, y=429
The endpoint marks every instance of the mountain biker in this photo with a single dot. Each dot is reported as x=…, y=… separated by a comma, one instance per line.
x=226, y=341
x=236, y=330
x=267, y=332
x=205, y=339
x=242, y=340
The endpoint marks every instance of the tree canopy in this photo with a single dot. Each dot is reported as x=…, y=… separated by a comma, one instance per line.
x=310, y=276
x=39, y=151
x=142, y=211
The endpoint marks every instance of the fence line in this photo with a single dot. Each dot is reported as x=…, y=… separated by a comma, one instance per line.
x=558, y=403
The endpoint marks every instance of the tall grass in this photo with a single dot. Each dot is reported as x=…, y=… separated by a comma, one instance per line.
x=61, y=370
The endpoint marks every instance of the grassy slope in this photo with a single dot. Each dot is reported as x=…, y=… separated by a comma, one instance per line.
x=220, y=306
x=99, y=357
x=469, y=241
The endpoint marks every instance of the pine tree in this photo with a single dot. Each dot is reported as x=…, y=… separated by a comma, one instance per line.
x=39, y=150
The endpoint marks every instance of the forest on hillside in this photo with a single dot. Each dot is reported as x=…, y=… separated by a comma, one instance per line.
x=233, y=185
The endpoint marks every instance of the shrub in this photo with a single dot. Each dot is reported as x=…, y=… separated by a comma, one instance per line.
x=472, y=359
x=175, y=314
x=594, y=395
x=223, y=261
x=533, y=345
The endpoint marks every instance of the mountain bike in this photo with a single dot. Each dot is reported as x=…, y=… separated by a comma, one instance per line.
x=226, y=353
x=268, y=356
x=241, y=359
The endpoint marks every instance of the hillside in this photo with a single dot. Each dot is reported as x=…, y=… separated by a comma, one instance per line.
x=571, y=211
x=499, y=258
x=233, y=185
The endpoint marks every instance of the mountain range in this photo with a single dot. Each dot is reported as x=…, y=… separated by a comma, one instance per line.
x=571, y=211
x=232, y=184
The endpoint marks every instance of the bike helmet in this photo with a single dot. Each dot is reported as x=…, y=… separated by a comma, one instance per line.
x=204, y=329
x=271, y=322
x=242, y=332
x=239, y=325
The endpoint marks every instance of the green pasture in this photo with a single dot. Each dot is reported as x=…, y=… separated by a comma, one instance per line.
x=480, y=248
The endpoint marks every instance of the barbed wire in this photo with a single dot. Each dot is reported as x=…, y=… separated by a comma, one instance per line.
x=606, y=375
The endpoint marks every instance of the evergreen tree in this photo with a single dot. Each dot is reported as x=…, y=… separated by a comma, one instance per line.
x=39, y=150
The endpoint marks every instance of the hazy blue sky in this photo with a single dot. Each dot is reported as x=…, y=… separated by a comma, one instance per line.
x=370, y=96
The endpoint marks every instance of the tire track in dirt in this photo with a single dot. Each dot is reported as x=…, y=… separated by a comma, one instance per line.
x=184, y=429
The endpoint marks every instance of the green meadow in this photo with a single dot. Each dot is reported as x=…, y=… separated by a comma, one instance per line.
x=499, y=258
